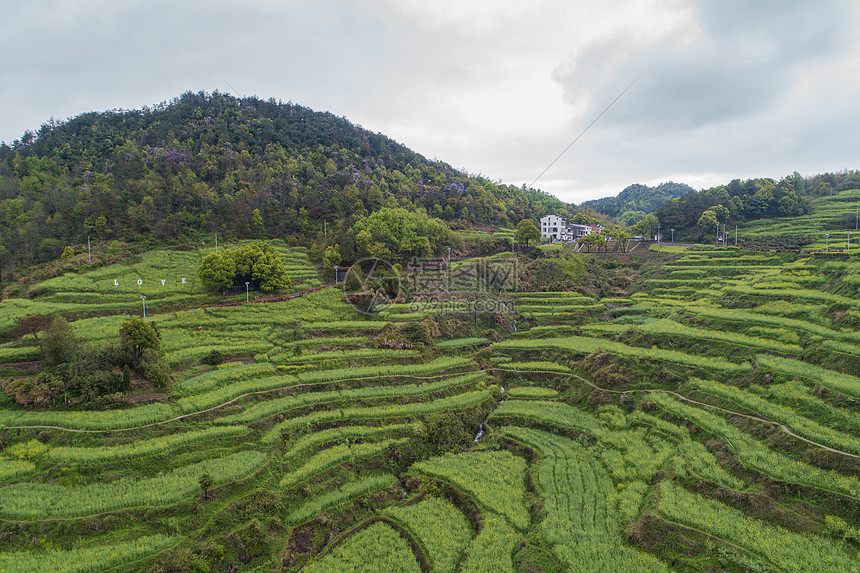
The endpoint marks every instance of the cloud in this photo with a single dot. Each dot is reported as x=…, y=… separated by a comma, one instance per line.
x=724, y=60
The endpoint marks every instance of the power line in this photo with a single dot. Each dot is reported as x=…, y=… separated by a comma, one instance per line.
x=582, y=132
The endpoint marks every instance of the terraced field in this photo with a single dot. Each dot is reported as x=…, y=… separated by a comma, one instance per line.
x=168, y=279
x=705, y=420
x=836, y=215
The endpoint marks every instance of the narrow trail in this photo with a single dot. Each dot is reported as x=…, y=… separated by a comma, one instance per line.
x=758, y=418
x=784, y=428
x=779, y=425
x=182, y=417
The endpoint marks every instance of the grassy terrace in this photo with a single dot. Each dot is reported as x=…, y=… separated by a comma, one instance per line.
x=701, y=418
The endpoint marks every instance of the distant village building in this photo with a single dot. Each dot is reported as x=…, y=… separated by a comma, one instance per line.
x=557, y=228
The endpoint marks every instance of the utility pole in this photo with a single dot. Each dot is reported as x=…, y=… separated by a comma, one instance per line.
x=658, y=238
x=143, y=298
x=849, y=241
x=89, y=250
x=673, y=236
x=448, y=270
x=736, y=235
x=247, y=295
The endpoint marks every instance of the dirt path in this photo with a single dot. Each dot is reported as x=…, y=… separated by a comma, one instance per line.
x=182, y=417
x=779, y=425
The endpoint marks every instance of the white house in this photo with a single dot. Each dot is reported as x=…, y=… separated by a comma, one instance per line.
x=557, y=228
x=554, y=228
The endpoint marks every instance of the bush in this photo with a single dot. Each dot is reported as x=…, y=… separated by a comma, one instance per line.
x=415, y=333
x=214, y=358
x=139, y=335
x=59, y=342
x=158, y=373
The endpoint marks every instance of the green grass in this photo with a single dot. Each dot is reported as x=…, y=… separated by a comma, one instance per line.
x=288, y=403
x=584, y=345
x=535, y=366
x=330, y=457
x=582, y=521
x=490, y=551
x=140, y=447
x=495, y=480
x=440, y=527
x=95, y=420
x=530, y=392
x=343, y=434
x=799, y=424
x=377, y=548
x=787, y=550
x=348, y=492
x=756, y=455
x=461, y=342
x=844, y=383
x=32, y=500
x=387, y=412
x=85, y=559
x=666, y=327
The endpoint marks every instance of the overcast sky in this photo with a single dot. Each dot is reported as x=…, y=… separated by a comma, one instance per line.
x=720, y=89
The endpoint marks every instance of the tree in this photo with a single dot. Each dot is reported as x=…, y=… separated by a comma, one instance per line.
x=397, y=233
x=258, y=264
x=257, y=224
x=621, y=236
x=593, y=240
x=100, y=227
x=32, y=324
x=68, y=253
x=138, y=335
x=527, y=232
x=331, y=256
x=206, y=482
x=261, y=266
x=49, y=249
x=648, y=226
x=217, y=271
x=60, y=343
x=708, y=221
x=630, y=217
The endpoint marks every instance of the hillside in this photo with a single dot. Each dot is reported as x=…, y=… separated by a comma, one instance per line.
x=638, y=200
x=694, y=216
x=178, y=172
x=693, y=410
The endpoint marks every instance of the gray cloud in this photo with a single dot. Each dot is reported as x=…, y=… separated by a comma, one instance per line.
x=736, y=58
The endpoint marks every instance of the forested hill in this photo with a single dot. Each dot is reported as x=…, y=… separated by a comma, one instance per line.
x=696, y=214
x=179, y=171
x=639, y=200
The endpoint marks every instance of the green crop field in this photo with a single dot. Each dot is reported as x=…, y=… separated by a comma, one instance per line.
x=692, y=410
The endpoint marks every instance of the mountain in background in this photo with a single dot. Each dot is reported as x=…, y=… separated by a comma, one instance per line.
x=639, y=198
x=246, y=168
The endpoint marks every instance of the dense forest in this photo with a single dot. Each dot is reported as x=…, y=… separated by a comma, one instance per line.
x=696, y=213
x=246, y=168
x=637, y=200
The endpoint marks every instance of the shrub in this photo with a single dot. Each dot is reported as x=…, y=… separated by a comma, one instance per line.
x=214, y=358
x=59, y=342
